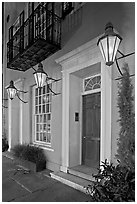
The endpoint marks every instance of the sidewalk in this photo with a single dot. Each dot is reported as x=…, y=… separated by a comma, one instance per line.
x=20, y=186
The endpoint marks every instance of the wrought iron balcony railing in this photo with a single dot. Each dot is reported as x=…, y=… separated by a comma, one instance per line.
x=37, y=38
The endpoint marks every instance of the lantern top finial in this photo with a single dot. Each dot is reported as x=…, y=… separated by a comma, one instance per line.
x=40, y=66
x=109, y=25
x=40, y=69
x=11, y=85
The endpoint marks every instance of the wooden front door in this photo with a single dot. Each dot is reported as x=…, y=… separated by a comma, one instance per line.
x=91, y=130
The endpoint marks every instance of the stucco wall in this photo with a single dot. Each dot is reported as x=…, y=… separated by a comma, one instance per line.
x=83, y=25
x=80, y=27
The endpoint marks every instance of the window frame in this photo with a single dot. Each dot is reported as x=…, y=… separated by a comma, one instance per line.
x=42, y=115
x=92, y=90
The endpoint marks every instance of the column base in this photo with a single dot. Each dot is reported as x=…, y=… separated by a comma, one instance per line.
x=64, y=169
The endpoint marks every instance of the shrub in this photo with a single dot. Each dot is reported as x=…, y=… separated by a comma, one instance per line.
x=30, y=153
x=113, y=183
x=5, y=145
x=126, y=140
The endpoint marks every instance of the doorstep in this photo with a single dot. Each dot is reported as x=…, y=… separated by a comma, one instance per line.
x=71, y=180
x=83, y=171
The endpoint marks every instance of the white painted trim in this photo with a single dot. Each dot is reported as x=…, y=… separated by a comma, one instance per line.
x=80, y=58
x=21, y=122
x=91, y=91
x=65, y=120
x=21, y=110
x=64, y=169
x=92, y=76
x=9, y=122
x=42, y=146
x=87, y=63
x=103, y=105
x=105, y=151
x=74, y=53
x=81, y=129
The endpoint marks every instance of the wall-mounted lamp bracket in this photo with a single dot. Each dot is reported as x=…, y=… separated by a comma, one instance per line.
x=4, y=106
x=13, y=91
x=22, y=91
x=52, y=90
x=122, y=76
x=123, y=56
x=109, y=43
x=20, y=98
x=41, y=77
x=54, y=80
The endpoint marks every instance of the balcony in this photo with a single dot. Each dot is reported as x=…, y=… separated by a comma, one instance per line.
x=37, y=38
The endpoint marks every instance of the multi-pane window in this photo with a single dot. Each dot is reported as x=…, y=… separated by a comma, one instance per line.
x=43, y=98
x=93, y=82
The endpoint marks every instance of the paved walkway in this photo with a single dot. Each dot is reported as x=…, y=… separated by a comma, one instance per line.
x=20, y=186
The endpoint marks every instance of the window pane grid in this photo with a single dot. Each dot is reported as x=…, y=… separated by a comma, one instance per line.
x=43, y=99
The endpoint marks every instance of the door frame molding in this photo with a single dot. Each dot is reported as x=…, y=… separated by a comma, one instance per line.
x=80, y=58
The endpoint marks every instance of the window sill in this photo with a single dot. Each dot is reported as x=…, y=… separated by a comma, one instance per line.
x=42, y=146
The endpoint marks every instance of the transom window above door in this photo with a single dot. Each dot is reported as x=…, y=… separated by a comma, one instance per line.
x=92, y=83
x=43, y=99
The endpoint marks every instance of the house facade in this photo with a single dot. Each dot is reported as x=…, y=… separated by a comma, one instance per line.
x=78, y=124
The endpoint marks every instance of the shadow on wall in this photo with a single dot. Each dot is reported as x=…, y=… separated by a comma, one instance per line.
x=70, y=25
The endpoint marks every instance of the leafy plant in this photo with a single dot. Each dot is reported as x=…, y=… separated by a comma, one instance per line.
x=113, y=183
x=30, y=153
x=126, y=140
x=5, y=145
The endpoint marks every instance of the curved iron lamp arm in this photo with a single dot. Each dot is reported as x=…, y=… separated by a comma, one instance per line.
x=33, y=69
x=22, y=91
x=118, y=68
x=55, y=80
x=21, y=99
x=4, y=106
x=123, y=56
x=122, y=76
x=52, y=91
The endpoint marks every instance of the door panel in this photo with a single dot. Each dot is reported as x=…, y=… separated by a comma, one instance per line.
x=91, y=130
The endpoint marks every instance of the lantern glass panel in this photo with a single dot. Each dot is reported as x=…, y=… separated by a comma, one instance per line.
x=116, y=48
x=104, y=46
x=111, y=40
x=102, y=51
x=11, y=92
x=40, y=79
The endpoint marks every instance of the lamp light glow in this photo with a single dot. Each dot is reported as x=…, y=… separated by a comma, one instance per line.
x=109, y=44
x=11, y=89
x=40, y=76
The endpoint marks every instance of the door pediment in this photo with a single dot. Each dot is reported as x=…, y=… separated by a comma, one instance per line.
x=81, y=56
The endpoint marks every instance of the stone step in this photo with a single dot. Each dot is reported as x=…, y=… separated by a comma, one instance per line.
x=71, y=180
x=80, y=174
